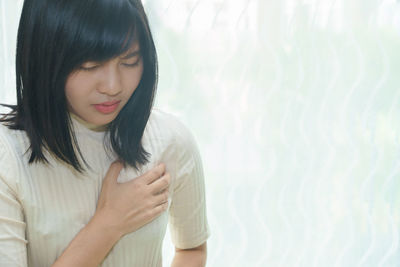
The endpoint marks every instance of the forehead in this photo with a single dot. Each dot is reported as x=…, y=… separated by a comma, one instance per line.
x=134, y=47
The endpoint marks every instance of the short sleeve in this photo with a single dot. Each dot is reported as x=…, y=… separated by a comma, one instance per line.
x=13, y=251
x=189, y=227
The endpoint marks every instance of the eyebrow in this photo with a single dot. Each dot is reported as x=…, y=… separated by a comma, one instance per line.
x=133, y=54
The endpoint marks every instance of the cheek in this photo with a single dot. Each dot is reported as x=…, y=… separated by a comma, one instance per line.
x=72, y=95
x=75, y=90
x=132, y=80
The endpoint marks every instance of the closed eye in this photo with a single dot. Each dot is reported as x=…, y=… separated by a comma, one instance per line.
x=88, y=68
x=97, y=66
x=132, y=65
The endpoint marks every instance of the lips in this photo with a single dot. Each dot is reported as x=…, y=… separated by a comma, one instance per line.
x=107, y=107
x=109, y=103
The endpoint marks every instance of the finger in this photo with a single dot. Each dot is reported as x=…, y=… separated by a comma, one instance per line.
x=113, y=172
x=162, y=191
x=154, y=174
x=160, y=208
x=161, y=198
x=161, y=184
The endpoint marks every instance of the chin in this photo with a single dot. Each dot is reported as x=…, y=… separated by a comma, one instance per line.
x=106, y=119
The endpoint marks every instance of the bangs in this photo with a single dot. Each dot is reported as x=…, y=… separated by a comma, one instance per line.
x=101, y=29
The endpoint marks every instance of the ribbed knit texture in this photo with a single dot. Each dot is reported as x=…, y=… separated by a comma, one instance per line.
x=42, y=208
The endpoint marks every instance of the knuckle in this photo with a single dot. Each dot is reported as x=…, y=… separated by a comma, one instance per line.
x=162, y=167
x=157, y=172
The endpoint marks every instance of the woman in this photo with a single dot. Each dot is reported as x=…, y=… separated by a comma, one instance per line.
x=90, y=173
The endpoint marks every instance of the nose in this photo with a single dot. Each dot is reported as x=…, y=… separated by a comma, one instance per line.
x=110, y=81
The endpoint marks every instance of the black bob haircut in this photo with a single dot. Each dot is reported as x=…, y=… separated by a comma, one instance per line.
x=55, y=37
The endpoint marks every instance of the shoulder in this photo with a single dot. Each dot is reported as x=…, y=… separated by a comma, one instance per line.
x=9, y=160
x=6, y=139
x=15, y=140
x=169, y=129
x=167, y=125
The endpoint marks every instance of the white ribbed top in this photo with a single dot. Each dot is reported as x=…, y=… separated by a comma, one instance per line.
x=42, y=208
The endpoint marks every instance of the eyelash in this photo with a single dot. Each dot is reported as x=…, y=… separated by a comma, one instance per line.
x=95, y=67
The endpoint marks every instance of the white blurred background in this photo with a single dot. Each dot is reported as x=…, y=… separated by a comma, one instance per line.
x=295, y=107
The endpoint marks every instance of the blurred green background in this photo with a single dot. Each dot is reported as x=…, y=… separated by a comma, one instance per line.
x=295, y=107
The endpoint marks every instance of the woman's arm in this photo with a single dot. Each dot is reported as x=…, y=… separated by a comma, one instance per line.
x=90, y=246
x=13, y=250
x=121, y=209
x=187, y=215
x=195, y=257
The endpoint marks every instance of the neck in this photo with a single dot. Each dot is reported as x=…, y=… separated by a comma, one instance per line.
x=90, y=126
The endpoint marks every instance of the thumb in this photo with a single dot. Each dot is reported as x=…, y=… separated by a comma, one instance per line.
x=113, y=172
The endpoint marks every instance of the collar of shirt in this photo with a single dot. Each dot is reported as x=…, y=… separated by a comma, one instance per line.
x=89, y=126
